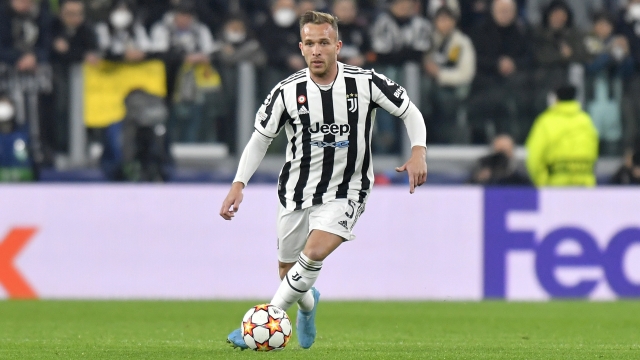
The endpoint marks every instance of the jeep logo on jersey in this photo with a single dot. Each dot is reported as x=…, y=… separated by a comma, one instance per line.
x=330, y=129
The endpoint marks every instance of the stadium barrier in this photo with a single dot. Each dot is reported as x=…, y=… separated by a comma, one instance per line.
x=442, y=243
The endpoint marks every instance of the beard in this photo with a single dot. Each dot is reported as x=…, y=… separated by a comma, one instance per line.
x=321, y=70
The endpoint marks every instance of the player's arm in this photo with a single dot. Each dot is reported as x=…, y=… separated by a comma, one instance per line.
x=249, y=161
x=416, y=166
x=269, y=121
x=393, y=98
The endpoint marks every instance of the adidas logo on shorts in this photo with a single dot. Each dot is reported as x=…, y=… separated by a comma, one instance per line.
x=303, y=111
x=344, y=224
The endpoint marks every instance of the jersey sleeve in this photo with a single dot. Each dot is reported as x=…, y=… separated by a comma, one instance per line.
x=389, y=95
x=272, y=114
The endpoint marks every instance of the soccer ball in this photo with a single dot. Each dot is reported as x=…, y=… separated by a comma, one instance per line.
x=266, y=327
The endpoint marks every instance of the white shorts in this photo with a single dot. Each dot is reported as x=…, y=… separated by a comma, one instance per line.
x=337, y=216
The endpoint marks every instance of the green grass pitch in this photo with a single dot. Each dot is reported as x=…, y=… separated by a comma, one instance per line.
x=346, y=330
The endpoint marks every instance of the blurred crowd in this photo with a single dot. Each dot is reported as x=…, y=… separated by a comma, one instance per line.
x=488, y=67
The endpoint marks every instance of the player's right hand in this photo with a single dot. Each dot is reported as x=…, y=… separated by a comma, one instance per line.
x=231, y=203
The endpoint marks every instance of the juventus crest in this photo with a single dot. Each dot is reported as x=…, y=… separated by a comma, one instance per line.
x=352, y=101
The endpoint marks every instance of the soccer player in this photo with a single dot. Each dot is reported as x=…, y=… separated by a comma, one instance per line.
x=327, y=111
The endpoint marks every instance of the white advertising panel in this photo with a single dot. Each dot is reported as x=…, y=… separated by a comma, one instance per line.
x=168, y=241
x=441, y=243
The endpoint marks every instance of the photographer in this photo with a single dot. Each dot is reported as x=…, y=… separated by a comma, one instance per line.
x=499, y=167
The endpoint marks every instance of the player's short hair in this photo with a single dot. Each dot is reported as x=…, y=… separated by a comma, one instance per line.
x=318, y=18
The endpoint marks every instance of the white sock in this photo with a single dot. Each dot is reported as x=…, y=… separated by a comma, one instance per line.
x=297, y=282
x=307, y=301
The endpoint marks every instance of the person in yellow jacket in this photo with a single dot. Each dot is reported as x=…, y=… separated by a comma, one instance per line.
x=562, y=147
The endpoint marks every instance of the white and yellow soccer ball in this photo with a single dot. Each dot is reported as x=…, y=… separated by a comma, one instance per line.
x=266, y=327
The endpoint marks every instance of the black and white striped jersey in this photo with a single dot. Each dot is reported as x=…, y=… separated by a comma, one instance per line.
x=329, y=133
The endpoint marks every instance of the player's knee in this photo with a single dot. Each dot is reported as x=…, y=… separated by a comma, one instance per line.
x=316, y=253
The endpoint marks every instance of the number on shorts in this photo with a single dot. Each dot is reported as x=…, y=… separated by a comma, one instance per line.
x=353, y=210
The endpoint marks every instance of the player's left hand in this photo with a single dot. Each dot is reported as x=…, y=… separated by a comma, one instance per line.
x=416, y=167
x=231, y=203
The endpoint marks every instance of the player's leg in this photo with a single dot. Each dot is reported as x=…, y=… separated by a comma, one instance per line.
x=306, y=301
x=319, y=246
x=293, y=233
x=303, y=274
x=293, y=227
x=330, y=225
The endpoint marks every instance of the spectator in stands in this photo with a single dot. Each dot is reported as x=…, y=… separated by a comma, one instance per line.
x=608, y=66
x=562, y=148
x=606, y=50
x=450, y=66
x=25, y=41
x=24, y=35
x=187, y=46
x=209, y=12
x=353, y=33
x=398, y=36
x=500, y=89
x=238, y=45
x=557, y=44
x=280, y=35
x=123, y=38
x=74, y=42
x=582, y=10
x=629, y=26
x=499, y=167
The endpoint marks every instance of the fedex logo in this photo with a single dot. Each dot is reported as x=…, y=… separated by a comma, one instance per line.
x=499, y=241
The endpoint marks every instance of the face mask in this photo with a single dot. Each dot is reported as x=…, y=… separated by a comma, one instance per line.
x=121, y=19
x=6, y=111
x=284, y=17
x=234, y=37
x=634, y=11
